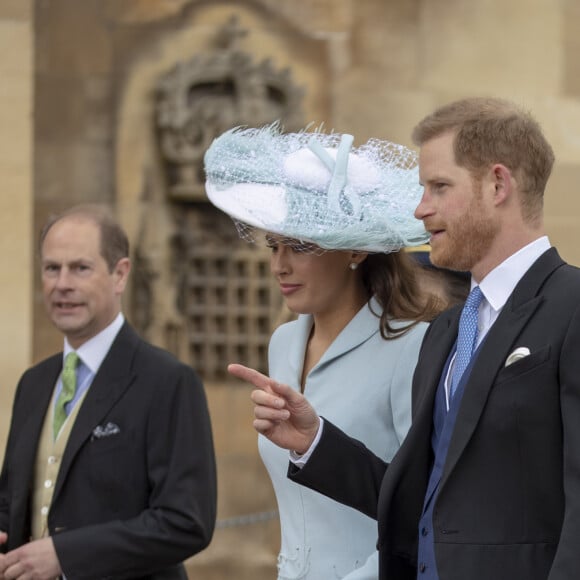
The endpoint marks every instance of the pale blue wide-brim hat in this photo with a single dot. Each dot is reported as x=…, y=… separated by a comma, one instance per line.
x=315, y=187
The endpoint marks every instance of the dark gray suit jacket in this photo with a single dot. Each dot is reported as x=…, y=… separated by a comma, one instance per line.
x=509, y=500
x=134, y=504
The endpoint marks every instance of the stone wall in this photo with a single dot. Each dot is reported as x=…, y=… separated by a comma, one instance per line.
x=87, y=71
x=16, y=199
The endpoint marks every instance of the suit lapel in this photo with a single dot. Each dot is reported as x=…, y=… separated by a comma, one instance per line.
x=362, y=326
x=496, y=347
x=439, y=341
x=297, y=347
x=42, y=390
x=441, y=338
x=113, y=378
x=40, y=385
x=408, y=473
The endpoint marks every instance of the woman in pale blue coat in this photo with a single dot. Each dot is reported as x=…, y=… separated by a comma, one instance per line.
x=334, y=349
x=361, y=313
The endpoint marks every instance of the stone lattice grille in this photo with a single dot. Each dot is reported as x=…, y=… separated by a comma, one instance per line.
x=230, y=307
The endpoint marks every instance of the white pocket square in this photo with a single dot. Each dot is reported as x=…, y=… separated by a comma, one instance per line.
x=105, y=430
x=517, y=354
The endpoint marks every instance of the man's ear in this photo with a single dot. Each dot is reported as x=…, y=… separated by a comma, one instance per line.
x=121, y=273
x=503, y=183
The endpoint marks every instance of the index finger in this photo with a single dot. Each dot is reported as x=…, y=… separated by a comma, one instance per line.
x=256, y=378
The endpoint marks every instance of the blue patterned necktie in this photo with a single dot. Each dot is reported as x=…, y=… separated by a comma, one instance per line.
x=467, y=337
x=69, y=387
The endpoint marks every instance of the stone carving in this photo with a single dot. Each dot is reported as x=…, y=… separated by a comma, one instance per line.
x=155, y=309
x=201, y=98
x=199, y=291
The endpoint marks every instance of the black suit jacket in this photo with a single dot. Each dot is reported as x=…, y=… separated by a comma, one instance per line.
x=133, y=504
x=508, y=505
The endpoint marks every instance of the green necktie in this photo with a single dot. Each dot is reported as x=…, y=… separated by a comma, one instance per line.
x=69, y=386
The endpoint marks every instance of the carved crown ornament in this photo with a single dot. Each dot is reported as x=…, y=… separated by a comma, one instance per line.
x=199, y=99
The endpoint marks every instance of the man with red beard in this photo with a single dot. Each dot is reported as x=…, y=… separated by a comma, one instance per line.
x=109, y=469
x=487, y=483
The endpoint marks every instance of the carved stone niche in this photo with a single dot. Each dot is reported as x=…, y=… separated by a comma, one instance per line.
x=203, y=97
x=201, y=291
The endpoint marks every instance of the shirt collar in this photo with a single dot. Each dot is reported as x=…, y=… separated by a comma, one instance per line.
x=93, y=352
x=501, y=281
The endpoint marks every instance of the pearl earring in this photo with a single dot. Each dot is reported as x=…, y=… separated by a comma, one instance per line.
x=353, y=266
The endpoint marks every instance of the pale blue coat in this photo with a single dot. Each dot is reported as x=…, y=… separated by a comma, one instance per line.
x=362, y=384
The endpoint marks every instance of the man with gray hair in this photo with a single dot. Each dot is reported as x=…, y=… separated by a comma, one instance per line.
x=109, y=470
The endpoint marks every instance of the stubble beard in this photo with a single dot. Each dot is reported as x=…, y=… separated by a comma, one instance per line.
x=468, y=240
